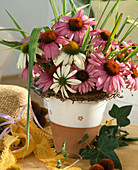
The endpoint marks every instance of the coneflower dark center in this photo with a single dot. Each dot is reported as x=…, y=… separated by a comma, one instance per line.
x=82, y=75
x=72, y=48
x=134, y=45
x=62, y=81
x=75, y=24
x=105, y=35
x=25, y=48
x=112, y=68
x=48, y=36
x=135, y=72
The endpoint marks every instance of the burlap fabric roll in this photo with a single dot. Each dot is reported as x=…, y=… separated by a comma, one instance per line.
x=12, y=100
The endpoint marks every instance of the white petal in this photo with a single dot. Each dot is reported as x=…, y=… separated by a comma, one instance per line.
x=71, y=90
x=56, y=89
x=60, y=58
x=54, y=85
x=35, y=59
x=21, y=63
x=66, y=94
x=58, y=72
x=72, y=73
x=78, y=62
x=62, y=92
x=39, y=51
x=66, y=60
x=55, y=75
x=73, y=81
x=66, y=71
x=62, y=70
x=82, y=56
x=71, y=59
x=55, y=80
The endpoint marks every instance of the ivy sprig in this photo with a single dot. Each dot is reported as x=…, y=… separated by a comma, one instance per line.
x=109, y=138
x=65, y=155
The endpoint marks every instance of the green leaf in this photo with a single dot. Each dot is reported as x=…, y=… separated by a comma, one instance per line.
x=66, y=155
x=32, y=49
x=85, y=137
x=109, y=15
x=105, y=149
x=123, y=49
x=90, y=4
x=59, y=164
x=102, y=14
x=54, y=9
x=79, y=8
x=73, y=6
x=120, y=114
x=58, y=8
x=134, y=52
x=111, y=130
x=112, y=35
x=23, y=34
x=10, y=43
x=122, y=27
x=13, y=29
x=18, y=47
x=130, y=29
x=63, y=148
x=64, y=7
x=46, y=28
x=129, y=21
x=85, y=40
x=116, y=15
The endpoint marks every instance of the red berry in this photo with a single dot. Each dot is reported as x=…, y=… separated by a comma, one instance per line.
x=108, y=164
x=96, y=167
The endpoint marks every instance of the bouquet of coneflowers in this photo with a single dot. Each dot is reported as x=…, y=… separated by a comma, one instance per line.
x=74, y=55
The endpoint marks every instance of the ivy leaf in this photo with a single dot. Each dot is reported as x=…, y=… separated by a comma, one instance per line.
x=63, y=148
x=66, y=155
x=59, y=164
x=120, y=114
x=85, y=137
x=111, y=130
x=105, y=149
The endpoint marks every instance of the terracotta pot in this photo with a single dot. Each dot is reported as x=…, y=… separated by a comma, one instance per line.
x=70, y=121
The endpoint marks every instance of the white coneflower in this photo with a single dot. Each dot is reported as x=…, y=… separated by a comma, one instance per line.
x=62, y=79
x=71, y=53
x=24, y=56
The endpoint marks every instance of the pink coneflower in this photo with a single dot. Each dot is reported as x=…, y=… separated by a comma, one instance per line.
x=74, y=27
x=129, y=50
x=36, y=70
x=49, y=43
x=86, y=78
x=24, y=74
x=101, y=39
x=45, y=81
x=109, y=73
x=132, y=79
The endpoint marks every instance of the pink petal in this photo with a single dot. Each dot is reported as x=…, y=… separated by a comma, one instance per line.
x=66, y=18
x=79, y=14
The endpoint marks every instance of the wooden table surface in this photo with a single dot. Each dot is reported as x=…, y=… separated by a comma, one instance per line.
x=128, y=156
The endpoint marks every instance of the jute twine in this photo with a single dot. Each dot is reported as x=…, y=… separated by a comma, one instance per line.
x=12, y=100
